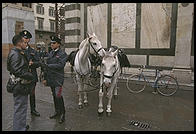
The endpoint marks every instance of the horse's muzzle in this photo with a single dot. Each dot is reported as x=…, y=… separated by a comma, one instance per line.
x=107, y=82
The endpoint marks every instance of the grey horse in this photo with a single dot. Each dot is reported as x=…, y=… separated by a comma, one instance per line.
x=82, y=65
x=110, y=71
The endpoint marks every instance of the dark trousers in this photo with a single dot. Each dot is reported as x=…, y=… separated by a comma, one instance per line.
x=58, y=100
x=32, y=97
x=20, y=112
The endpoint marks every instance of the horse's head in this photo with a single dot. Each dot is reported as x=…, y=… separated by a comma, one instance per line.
x=95, y=44
x=109, y=66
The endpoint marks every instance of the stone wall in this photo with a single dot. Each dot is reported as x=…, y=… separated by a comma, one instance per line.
x=154, y=34
x=123, y=24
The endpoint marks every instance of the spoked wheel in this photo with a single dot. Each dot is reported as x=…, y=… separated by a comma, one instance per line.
x=136, y=83
x=94, y=81
x=167, y=85
x=94, y=78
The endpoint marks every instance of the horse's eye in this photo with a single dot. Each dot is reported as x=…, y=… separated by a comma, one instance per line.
x=114, y=65
x=94, y=43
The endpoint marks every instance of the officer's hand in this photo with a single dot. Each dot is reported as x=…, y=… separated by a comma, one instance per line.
x=30, y=62
x=44, y=82
x=43, y=65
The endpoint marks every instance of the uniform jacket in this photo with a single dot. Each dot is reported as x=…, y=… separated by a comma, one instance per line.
x=17, y=65
x=32, y=54
x=41, y=54
x=55, y=68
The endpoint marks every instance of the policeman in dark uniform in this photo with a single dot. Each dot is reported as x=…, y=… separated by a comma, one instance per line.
x=33, y=60
x=38, y=50
x=41, y=52
x=17, y=65
x=54, y=76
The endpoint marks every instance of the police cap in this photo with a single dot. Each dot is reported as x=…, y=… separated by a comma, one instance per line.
x=55, y=39
x=26, y=34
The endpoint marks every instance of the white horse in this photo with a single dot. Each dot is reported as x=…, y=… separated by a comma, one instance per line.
x=82, y=65
x=110, y=71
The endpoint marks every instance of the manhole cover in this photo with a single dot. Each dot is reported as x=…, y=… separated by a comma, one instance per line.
x=139, y=124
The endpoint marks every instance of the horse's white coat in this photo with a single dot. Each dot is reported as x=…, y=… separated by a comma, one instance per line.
x=110, y=67
x=82, y=65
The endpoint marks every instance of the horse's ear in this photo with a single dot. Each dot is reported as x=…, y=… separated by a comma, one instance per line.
x=115, y=53
x=104, y=52
x=87, y=35
x=110, y=50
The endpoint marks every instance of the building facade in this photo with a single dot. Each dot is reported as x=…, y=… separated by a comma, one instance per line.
x=15, y=18
x=44, y=22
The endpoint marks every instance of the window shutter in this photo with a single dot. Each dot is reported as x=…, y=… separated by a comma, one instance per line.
x=37, y=9
x=42, y=10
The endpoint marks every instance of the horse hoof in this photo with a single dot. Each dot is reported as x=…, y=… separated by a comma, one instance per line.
x=108, y=114
x=115, y=97
x=100, y=114
x=86, y=104
x=80, y=106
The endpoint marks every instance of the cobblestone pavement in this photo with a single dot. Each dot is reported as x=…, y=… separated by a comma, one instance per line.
x=154, y=112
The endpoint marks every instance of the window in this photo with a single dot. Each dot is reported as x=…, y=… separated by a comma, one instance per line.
x=27, y=5
x=52, y=25
x=19, y=27
x=51, y=11
x=62, y=11
x=40, y=9
x=40, y=22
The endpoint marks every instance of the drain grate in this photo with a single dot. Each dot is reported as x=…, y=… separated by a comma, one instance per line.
x=139, y=124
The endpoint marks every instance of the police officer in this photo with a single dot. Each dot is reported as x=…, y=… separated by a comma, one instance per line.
x=17, y=65
x=33, y=60
x=41, y=51
x=55, y=76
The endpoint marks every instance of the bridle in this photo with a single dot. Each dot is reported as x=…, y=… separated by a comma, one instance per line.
x=94, y=48
x=110, y=77
x=82, y=75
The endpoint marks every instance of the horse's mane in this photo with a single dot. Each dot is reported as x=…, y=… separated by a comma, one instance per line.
x=82, y=43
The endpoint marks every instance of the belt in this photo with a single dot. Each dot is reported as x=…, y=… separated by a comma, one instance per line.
x=17, y=79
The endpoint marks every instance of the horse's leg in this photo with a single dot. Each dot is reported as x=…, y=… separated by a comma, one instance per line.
x=116, y=87
x=85, y=93
x=79, y=83
x=110, y=94
x=115, y=91
x=100, y=106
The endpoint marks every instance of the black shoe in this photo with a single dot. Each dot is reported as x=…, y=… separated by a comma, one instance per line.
x=27, y=127
x=34, y=112
x=55, y=115
x=62, y=118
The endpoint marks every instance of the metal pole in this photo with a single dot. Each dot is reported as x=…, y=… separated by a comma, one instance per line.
x=56, y=17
